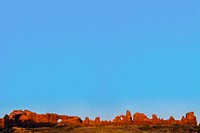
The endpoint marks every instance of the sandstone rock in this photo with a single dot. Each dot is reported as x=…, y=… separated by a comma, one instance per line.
x=141, y=119
x=123, y=118
x=190, y=119
x=128, y=117
x=85, y=122
x=26, y=118
x=97, y=121
x=7, y=122
x=15, y=113
x=70, y=120
x=154, y=117
x=117, y=119
x=52, y=118
x=91, y=122
x=106, y=123
x=1, y=123
x=172, y=121
x=156, y=120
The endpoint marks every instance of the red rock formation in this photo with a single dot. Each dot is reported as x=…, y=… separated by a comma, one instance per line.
x=106, y=123
x=27, y=118
x=85, y=122
x=7, y=121
x=120, y=120
x=123, y=119
x=156, y=120
x=190, y=119
x=1, y=123
x=128, y=117
x=31, y=119
x=97, y=121
x=141, y=119
x=91, y=122
x=172, y=120
x=117, y=119
x=70, y=120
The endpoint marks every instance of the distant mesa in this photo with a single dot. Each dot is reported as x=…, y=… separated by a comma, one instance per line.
x=26, y=118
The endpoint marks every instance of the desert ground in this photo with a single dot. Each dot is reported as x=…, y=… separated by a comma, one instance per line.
x=107, y=129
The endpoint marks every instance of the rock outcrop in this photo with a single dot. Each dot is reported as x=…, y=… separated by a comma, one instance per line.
x=26, y=118
x=156, y=120
x=1, y=122
x=141, y=119
x=190, y=119
x=123, y=119
x=128, y=117
x=86, y=122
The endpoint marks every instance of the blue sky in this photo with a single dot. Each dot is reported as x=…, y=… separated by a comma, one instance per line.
x=100, y=58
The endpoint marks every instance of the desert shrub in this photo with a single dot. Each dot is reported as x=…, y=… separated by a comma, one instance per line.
x=157, y=127
x=175, y=127
x=69, y=129
x=145, y=128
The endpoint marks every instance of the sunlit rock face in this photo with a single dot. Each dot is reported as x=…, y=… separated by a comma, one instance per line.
x=190, y=119
x=141, y=119
x=85, y=122
x=31, y=119
x=26, y=118
x=128, y=117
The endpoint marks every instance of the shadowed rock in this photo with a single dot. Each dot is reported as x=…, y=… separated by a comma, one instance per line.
x=1, y=122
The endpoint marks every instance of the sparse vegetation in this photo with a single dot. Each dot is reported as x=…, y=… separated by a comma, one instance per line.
x=145, y=128
x=108, y=129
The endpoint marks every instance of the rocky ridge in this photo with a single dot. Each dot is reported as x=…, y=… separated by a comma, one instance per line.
x=26, y=118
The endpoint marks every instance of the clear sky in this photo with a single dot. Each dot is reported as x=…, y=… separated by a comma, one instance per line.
x=100, y=58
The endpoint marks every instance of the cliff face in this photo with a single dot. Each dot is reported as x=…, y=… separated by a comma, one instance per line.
x=26, y=118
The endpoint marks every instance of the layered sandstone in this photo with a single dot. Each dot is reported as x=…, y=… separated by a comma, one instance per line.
x=26, y=118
